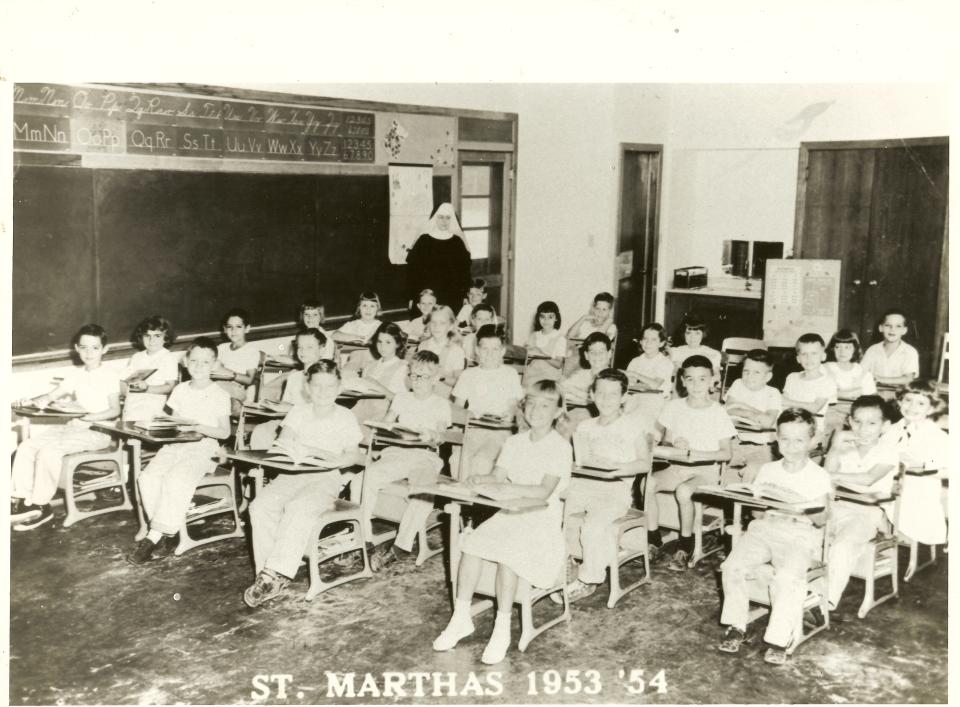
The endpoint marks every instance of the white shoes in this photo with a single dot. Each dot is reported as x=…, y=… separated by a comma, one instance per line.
x=497, y=646
x=451, y=635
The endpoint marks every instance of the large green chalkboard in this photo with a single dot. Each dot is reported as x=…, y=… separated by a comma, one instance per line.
x=114, y=246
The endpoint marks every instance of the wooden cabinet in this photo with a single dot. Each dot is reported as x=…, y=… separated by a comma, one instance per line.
x=881, y=208
x=725, y=316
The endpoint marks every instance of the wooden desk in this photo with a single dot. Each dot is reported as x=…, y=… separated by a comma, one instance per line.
x=47, y=414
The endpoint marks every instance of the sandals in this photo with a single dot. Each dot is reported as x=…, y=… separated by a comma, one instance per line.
x=775, y=655
x=732, y=639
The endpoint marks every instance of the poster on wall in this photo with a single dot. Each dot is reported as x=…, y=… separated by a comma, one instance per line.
x=411, y=200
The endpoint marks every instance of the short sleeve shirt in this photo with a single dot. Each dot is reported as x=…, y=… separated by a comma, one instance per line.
x=92, y=389
x=903, y=361
x=882, y=453
x=360, y=329
x=527, y=461
x=806, y=390
x=660, y=366
x=207, y=405
x=767, y=398
x=295, y=388
x=432, y=413
x=392, y=374
x=336, y=433
x=855, y=377
x=810, y=483
x=165, y=361
x=489, y=391
x=704, y=428
x=553, y=344
x=241, y=360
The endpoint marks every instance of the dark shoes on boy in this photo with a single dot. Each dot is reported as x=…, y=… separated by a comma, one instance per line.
x=24, y=517
x=265, y=587
x=147, y=550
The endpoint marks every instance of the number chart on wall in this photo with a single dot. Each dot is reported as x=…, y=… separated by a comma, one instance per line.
x=800, y=296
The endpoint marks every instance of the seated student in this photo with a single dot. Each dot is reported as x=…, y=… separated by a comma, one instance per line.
x=598, y=319
x=444, y=342
x=892, y=361
x=922, y=444
x=360, y=331
x=482, y=315
x=145, y=399
x=694, y=332
x=237, y=358
x=37, y=465
x=533, y=464
x=429, y=414
x=652, y=370
x=843, y=354
x=811, y=388
x=487, y=389
x=545, y=341
x=615, y=439
x=311, y=316
x=386, y=373
x=416, y=328
x=750, y=397
x=788, y=542
x=864, y=457
x=308, y=345
x=477, y=294
x=695, y=429
x=171, y=477
x=594, y=357
x=285, y=513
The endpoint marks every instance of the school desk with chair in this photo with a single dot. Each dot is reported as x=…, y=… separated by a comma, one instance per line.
x=220, y=482
x=527, y=595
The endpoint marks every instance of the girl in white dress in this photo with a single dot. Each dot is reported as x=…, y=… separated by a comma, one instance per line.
x=526, y=545
x=386, y=373
x=546, y=346
x=924, y=447
x=852, y=379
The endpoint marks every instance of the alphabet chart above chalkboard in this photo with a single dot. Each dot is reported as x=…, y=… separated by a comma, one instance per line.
x=79, y=119
x=800, y=296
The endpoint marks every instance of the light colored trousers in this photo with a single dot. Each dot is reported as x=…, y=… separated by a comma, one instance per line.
x=284, y=515
x=39, y=461
x=852, y=527
x=420, y=467
x=594, y=536
x=790, y=548
x=171, y=477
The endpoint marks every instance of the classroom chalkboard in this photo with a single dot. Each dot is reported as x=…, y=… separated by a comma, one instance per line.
x=114, y=246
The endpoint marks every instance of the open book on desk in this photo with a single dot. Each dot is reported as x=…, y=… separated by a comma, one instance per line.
x=296, y=454
x=394, y=430
x=491, y=422
x=462, y=492
x=61, y=407
x=745, y=423
x=140, y=375
x=869, y=492
x=762, y=491
x=359, y=386
x=163, y=422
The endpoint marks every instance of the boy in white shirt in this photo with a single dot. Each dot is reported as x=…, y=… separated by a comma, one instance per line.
x=864, y=457
x=37, y=465
x=237, y=359
x=488, y=389
x=758, y=404
x=168, y=482
x=811, y=389
x=892, y=361
x=426, y=412
x=612, y=438
x=788, y=542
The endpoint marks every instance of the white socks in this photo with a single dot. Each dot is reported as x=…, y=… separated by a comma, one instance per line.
x=499, y=642
x=460, y=626
x=154, y=536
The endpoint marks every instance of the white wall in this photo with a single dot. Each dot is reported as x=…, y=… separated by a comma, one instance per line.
x=730, y=169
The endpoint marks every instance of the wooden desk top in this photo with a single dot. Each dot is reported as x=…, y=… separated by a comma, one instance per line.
x=263, y=458
x=126, y=428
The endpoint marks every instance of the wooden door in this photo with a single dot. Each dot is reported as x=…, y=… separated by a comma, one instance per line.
x=636, y=245
x=879, y=207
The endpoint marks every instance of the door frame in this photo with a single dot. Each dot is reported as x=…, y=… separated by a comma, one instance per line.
x=508, y=159
x=653, y=257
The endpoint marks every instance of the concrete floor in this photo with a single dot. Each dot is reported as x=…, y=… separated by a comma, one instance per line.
x=88, y=628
